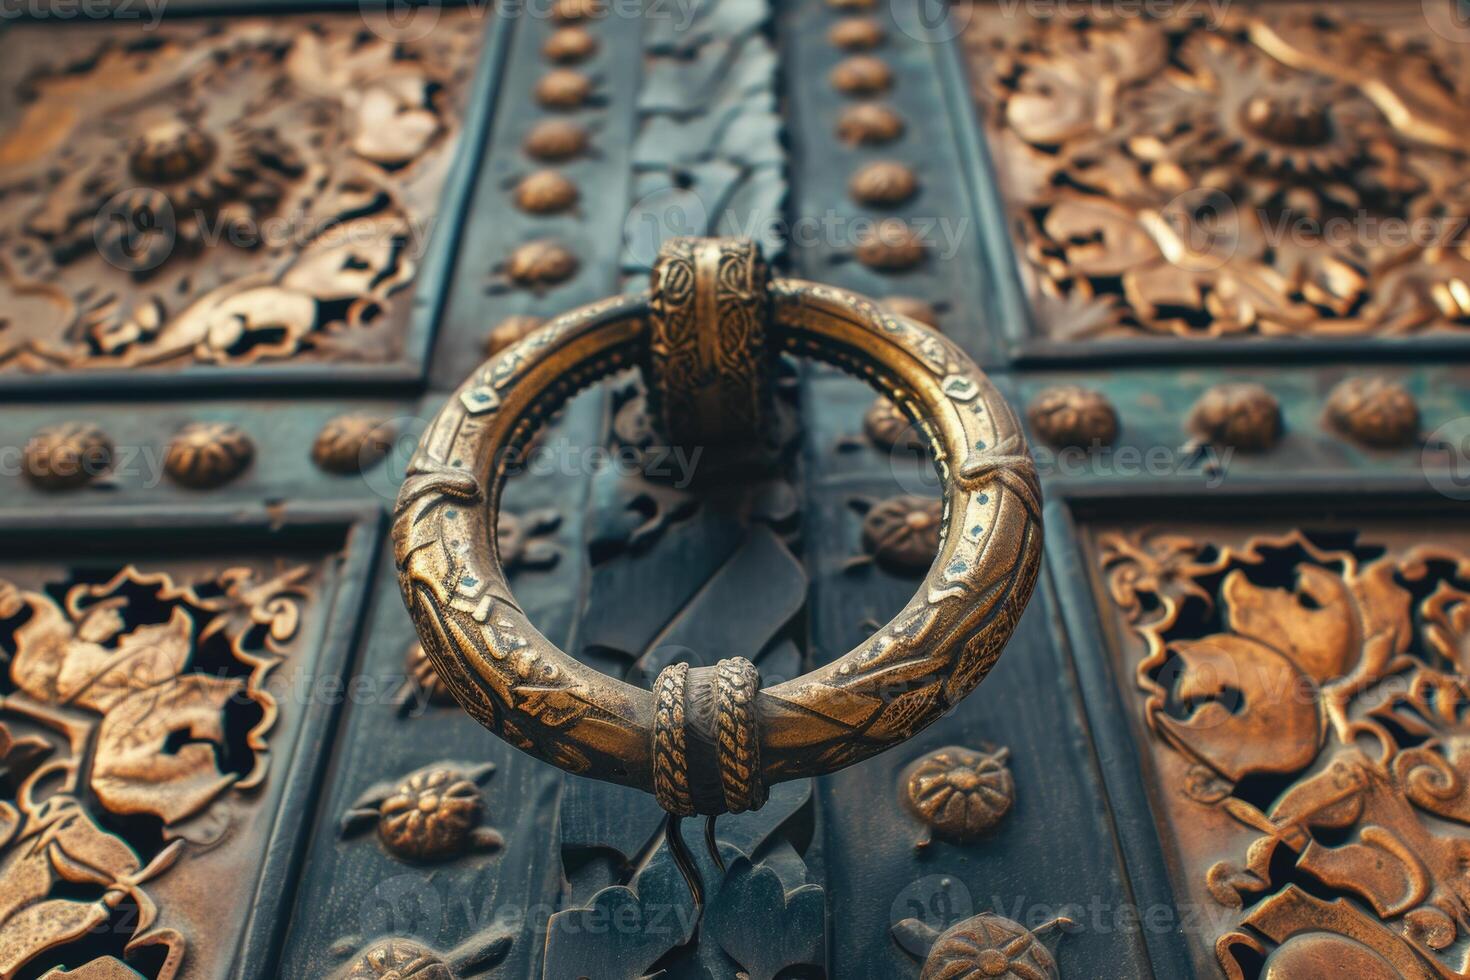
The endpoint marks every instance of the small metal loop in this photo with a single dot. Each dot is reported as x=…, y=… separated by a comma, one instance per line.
x=670, y=754
x=738, y=735
x=708, y=305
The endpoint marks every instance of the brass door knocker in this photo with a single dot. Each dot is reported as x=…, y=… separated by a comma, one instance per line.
x=710, y=739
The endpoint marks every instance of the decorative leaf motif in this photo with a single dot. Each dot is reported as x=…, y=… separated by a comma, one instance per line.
x=134, y=774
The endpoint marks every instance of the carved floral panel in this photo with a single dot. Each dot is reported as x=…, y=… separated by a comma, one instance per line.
x=1231, y=169
x=221, y=192
x=1303, y=703
x=139, y=707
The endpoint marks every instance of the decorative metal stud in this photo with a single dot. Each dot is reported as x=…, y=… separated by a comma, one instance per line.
x=869, y=124
x=569, y=45
x=856, y=34
x=985, y=945
x=1374, y=411
x=67, y=456
x=913, y=308
x=352, y=443
x=862, y=75
x=1240, y=414
x=545, y=192
x=887, y=427
x=890, y=245
x=901, y=533
x=540, y=263
x=509, y=331
x=884, y=182
x=1073, y=416
x=563, y=88
x=433, y=814
x=203, y=455
x=960, y=794
x=554, y=140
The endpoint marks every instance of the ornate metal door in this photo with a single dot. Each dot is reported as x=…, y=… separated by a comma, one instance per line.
x=1216, y=254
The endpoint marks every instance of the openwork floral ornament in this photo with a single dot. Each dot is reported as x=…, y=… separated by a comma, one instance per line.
x=105, y=676
x=1269, y=170
x=1311, y=700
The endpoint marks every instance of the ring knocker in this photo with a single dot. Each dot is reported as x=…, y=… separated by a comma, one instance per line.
x=711, y=740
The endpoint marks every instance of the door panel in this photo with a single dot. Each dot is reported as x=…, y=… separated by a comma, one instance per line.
x=1224, y=740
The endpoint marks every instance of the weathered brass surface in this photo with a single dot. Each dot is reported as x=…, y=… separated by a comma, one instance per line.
x=905, y=676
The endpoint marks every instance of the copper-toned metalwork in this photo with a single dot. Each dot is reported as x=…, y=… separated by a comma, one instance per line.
x=510, y=330
x=903, y=533
x=1278, y=169
x=510, y=678
x=856, y=34
x=985, y=945
x=563, y=88
x=158, y=217
x=432, y=814
x=960, y=794
x=554, y=140
x=545, y=192
x=569, y=45
x=67, y=456
x=352, y=443
x=883, y=182
x=208, y=454
x=869, y=124
x=913, y=308
x=887, y=427
x=889, y=245
x=1073, y=416
x=1303, y=705
x=105, y=677
x=707, y=338
x=1243, y=415
x=1373, y=411
x=538, y=264
x=862, y=75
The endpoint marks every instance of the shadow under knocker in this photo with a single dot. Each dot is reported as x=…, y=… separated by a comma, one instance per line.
x=711, y=740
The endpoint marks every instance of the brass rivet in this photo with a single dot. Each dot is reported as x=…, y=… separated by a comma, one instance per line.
x=545, y=192
x=67, y=456
x=869, y=124
x=568, y=45
x=861, y=74
x=857, y=34
x=563, y=88
x=203, y=455
x=1240, y=414
x=1073, y=416
x=1374, y=411
x=509, y=331
x=889, y=245
x=352, y=443
x=555, y=139
x=913, y=308
x=540, y=263
x=883, y=182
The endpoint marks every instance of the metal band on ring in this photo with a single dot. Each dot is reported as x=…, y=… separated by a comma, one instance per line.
x=734, y=738
x=707, y=340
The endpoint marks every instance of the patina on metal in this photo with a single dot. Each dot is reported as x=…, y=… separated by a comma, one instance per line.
x=711, y=740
